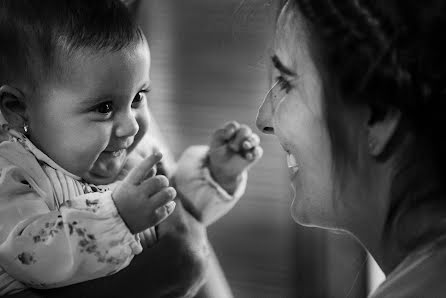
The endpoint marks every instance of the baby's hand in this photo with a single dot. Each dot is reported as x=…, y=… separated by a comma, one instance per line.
x=233, y=149
x=143, y=199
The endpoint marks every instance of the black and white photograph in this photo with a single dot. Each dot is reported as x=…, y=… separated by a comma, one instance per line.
x=223, y=148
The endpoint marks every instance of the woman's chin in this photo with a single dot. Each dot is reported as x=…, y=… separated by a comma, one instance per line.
x=308, y=215
x=302, y=212
x=298, y=214
x=297, y=209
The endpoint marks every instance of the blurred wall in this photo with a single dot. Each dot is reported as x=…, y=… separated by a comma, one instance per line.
x=209, y=65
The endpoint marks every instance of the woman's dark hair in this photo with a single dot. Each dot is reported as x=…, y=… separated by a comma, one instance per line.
x=31, y=32
x=391, y=54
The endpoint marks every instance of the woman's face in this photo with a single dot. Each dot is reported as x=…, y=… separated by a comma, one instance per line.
x=293, y=111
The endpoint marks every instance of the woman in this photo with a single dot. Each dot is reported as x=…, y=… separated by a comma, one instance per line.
x=357, y=106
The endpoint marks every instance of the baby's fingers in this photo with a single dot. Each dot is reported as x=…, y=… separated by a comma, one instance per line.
x=242, y=134
x=250, y=142
x=162, y=205
x=254, y=154
x=223, y=135
x=138, y=174
x=154, y=185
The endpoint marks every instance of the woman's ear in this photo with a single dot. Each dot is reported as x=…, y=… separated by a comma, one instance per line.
x=13, y=106
x=382, y=125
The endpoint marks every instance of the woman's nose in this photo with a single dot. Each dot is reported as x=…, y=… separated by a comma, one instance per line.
x=264, y=116
x=127, y=125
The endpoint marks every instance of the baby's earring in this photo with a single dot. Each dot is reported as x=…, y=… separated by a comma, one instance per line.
x=25, y=128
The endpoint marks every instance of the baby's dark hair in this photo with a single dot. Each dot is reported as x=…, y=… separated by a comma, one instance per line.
x=34, y=33
x=391, y=54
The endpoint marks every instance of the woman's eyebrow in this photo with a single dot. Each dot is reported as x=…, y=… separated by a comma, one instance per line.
x=282, y=68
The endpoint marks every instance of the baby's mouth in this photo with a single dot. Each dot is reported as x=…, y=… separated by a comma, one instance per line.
x=107, y=160
x=117, y=153
x=114, y=152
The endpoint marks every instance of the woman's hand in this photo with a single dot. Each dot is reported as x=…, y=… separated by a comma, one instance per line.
x=189, y=253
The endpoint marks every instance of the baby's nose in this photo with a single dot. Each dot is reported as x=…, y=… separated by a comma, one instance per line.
x=127, y=126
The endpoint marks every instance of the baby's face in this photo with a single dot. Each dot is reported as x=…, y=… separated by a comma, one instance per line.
x=89, y=120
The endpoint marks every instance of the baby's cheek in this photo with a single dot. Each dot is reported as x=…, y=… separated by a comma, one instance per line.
x=142, y=119
x=142, y=131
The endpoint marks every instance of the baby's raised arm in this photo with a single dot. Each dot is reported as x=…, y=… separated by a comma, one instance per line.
x=211, y=179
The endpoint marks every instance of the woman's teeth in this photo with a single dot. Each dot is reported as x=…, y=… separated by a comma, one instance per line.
x=292, y=163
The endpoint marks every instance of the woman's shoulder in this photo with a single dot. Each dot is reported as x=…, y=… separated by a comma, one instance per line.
x=421, y=274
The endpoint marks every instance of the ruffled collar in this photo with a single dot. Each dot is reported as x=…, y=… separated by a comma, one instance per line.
x=16, y=136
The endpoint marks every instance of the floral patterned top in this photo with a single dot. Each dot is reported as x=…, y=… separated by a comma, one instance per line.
x=56, y=229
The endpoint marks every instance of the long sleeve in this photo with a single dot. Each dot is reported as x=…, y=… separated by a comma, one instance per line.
x=43, y=246
x=194, y=181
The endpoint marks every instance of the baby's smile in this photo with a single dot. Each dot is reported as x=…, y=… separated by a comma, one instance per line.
x=109, y=163
x=118, y=153
x=115, y=153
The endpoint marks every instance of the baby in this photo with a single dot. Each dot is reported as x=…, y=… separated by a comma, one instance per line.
x=78, y=192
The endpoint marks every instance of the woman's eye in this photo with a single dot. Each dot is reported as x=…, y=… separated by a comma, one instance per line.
x=104, y=108
x=284, y=84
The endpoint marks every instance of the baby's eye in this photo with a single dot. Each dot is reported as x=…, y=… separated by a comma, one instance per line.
x=104, y=108
x=139, y=99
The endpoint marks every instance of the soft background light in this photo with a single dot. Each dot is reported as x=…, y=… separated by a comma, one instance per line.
x=209, y=65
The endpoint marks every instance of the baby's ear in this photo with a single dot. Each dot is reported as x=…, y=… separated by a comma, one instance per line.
x=382, y=126
x=12, y=106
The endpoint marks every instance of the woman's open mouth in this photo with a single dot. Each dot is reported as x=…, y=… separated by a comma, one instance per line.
x=292, y=165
